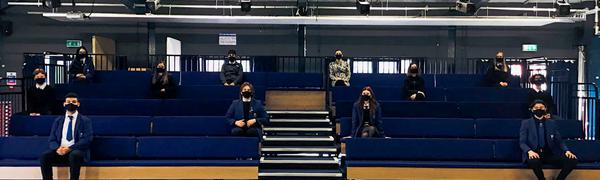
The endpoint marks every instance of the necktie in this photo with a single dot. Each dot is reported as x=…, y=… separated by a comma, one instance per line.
x=70, y=129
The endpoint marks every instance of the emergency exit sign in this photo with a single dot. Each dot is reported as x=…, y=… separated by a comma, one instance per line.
x=530, y=47
x=73, y=43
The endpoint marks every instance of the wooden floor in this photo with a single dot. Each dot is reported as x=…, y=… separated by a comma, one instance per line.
x=191, y=172
x=459, y=173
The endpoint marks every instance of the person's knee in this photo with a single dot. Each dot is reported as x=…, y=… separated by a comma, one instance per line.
x=252, y=132
x=534, y=162
x=45, y=157
x=237, y=131
x=75, y=155
x=571, y=162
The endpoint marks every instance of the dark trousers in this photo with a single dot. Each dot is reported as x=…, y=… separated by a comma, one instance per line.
x=567, y=165
x=246, y=131
x=369, y=131
x=49, y=158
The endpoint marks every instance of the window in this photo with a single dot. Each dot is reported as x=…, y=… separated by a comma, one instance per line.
x=362, y=67
x=404, y=63
x=388, y=67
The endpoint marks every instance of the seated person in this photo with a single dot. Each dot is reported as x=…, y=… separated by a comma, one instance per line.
x=414, y=85
x=232, y=71
x=339, y=70
x=41, y=96
x=163, y=85
x=82, y=67
x=499, y=74
x=541, y=143
x=246, y=115
x=70, y=139
x=538, y=93
x=366, y=116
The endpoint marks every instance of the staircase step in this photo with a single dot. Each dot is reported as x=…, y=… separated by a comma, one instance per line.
x=300, y=173
x=299, y=160
x=298, y=140
x=299, y=123
x=297, y=129
x=298, y=114
x=299, y=149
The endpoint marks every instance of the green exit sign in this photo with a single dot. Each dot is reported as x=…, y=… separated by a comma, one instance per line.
x=530, y=47
x=73, y=43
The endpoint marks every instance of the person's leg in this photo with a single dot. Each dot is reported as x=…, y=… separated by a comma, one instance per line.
x=567, y=165
x=75, y=161
x=252, y=132
x=536, y=166
x=237, y=131
x=368, y=131
x=46, y=160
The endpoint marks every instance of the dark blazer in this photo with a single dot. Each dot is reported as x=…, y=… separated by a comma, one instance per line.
x=257, y=111
x=493, y=77
x=357, y=119
x=83, y=135
x=79, y=67
x=412, y=85
x=528, y=137
x=41, y=101
x=545, y=96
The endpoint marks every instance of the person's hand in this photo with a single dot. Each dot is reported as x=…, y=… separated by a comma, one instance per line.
x=163, y=90
x=548, y=116
x=34, y=114
x=62, y=151
x=347, y=83
x=225, y=84
x=503, y=84
x=533, y=155
x=570, y=155
x=240, y=123
x=251, y=122
x=79, y=75
x=413, y=97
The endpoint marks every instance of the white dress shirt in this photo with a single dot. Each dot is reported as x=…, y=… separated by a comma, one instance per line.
x=63, y=141
x=42, y=87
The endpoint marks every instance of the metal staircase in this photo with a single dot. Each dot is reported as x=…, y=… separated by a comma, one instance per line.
x=299, y=145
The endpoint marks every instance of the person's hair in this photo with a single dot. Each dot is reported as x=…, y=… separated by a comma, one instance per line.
x=231, y=51
x=537, y=101
x=72, y=95
x=78, y=56
x=504, y=64
x=38, y=71
x=338, y=50
x=247, y=84
x=536, y=75
x=164, y=78
x=372, y=102
x=411, y=64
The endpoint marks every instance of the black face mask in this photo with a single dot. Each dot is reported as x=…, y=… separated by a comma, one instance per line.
x=231, y=58
x=161, y=70
x=413, y=71
x=538, y=81
x=366, y=97
x=247, y=94
x=338, y=56
x=71, y=107
x=538, y=113
x=40, y=81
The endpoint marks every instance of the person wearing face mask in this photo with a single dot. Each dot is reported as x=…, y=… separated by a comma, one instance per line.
x=247, y=114
x=542, y=143
x=537, y=93
x=339, y=70
x=69, y=141
x=41, y=96
x=163, y=85
x=366, y=115
x=499, y=74
x=82, y=67
x=232, y=71
x=414, y=85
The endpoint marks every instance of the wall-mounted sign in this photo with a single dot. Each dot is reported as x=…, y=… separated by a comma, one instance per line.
x=227, y=39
